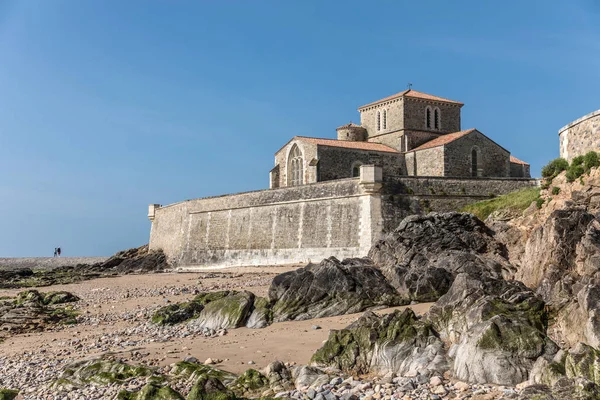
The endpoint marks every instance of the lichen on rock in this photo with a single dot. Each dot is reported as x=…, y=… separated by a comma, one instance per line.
x=399, y=342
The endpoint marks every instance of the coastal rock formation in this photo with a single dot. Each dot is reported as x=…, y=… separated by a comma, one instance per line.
x=397, y=343
x=217, y=310
x=34, y=311
x=330, y=288
x=424, y=254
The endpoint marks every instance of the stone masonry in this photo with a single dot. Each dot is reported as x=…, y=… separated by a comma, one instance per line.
x=580, y=136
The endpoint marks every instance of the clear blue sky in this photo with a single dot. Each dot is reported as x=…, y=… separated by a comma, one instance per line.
x=107, y=106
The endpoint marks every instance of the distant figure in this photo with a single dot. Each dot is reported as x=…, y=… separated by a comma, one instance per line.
x=55, y=251
x=58, y=251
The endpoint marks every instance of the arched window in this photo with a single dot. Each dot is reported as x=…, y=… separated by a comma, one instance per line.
x=384, y=119
x=356, y=169
x=436, y=118
x=428, y=117
x=378, y=121
x=475, y=162
x=295, y=167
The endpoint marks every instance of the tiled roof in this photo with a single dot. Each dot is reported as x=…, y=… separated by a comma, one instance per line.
x=348, y=144
x=515, y=160
x=415, y=94
x=444, y=139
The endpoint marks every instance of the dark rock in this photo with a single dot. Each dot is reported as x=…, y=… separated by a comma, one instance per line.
x=330, y=288
x=424, y=254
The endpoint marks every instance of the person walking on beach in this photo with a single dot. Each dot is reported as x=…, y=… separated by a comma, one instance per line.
x=58, y=251
x=55, y=251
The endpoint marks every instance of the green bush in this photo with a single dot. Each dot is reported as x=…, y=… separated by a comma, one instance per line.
x=591, y=160
x=574, y=171
x=555, y=190
x=539, y=202
x=577, y=161
x=554, y=168
x=545, y=185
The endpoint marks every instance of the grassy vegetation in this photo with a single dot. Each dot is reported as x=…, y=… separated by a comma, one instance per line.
x=516, y=201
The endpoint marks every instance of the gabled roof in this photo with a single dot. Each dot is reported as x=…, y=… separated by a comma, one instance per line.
x=515, y=160
x=348, y=144
x=415, y=94
x=443, y=140
x=367, y=146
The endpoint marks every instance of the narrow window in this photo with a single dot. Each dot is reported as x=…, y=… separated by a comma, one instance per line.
x=356, y=171
x=436, y=118
x=474, y=163
x=295, y=167
x=384, y=119
x=378, y=121
x=428, y=118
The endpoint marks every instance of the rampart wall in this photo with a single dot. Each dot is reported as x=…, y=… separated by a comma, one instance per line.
x=580, y=136
x=340, y=218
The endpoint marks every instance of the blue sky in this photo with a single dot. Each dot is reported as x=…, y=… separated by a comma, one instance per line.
x=107, y=106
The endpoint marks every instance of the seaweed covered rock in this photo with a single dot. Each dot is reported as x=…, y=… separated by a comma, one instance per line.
x=262, y=314
x=210, y=388
x=135, y=260
x=215, y=310
x=230, y=311
x=8, y=394
x=280, y=378
x=472, y=300
x=191, y=372
x=499, y=350
x=250, y=384
x=305, y=377
x=49, y=298
x=498, y=329
x=34, y=311
x=151, y=391
x=330, y=288
x=98, y=371
x=424, y=254
x=397, y=343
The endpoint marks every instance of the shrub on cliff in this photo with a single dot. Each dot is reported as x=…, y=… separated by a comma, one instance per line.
x=591, y=160
x=554, y=168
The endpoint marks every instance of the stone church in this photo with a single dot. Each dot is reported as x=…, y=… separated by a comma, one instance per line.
x=408, y=134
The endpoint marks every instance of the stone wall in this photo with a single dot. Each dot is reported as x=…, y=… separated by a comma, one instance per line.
x=403, y=196
x=339, y=218
x=266, y=227
x=428, y=162
x=518, y=170
x=580, y=136
x=494, y=161
x=338, y=163
x=415, y=115
x=395, y=118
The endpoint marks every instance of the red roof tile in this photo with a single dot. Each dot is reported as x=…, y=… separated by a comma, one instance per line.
x=414, y=94
x=515, y=160
x=444, y=139
x=348, y=144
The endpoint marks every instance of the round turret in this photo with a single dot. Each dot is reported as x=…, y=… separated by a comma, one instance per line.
x=352, y=132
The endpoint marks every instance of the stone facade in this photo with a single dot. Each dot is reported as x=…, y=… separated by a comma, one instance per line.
x=405, y=126
x=580, y=136
x=493, y=160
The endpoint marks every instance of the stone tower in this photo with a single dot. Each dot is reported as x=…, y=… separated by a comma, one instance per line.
x=408, y=119
x=352, y=132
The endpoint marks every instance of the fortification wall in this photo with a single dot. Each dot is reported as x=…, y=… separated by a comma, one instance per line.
x=580, y=136
x=406, y=195
x=278, y=226
x=340, y=218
